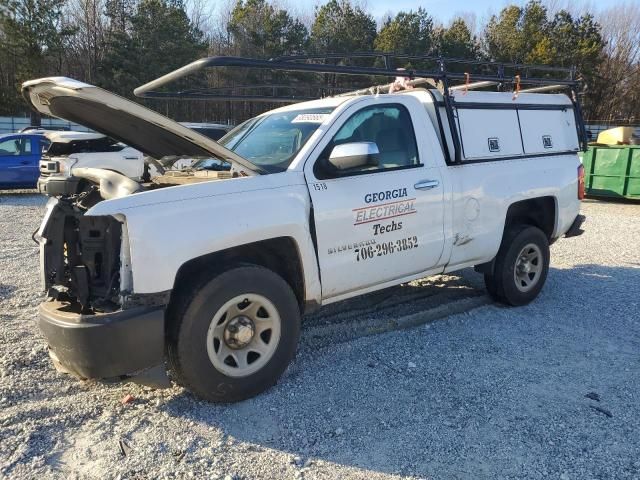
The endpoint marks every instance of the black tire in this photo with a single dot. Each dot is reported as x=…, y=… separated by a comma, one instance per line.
x=192, y=315
x=503, y=284
x=492, y=287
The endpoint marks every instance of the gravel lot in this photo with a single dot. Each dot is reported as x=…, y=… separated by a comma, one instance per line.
x=551, y=390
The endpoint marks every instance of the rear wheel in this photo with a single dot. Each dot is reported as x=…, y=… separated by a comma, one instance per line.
x=235, y=335
x=521, y=266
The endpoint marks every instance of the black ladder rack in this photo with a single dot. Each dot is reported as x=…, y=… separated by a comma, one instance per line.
x=446, y=70
x=309, y=63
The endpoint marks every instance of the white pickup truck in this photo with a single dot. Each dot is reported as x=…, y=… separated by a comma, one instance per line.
x=326, y=200
x=69, y=150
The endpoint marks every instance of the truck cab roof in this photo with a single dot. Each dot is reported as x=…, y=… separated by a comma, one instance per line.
x=70, y=136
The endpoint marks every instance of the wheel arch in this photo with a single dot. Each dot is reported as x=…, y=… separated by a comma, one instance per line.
x=541, y=212
x=280, y=255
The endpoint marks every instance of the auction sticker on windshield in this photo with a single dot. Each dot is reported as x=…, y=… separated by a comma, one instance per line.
x=310, y=118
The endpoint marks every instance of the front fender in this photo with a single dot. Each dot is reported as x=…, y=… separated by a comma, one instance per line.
x=163, y=236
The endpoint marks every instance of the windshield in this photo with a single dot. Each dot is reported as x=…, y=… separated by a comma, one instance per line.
x=271, y=141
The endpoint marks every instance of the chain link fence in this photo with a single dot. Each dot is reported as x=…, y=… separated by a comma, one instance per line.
x=594, y=127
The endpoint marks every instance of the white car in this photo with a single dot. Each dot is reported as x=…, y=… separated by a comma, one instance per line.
x=326, y=200
x=70, y=150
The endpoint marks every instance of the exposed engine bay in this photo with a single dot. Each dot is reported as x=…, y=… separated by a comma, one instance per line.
x=164, y=172
x=84, y=258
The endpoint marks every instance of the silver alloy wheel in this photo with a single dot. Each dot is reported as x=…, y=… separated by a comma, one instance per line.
x=528, y=267
x=243, y=335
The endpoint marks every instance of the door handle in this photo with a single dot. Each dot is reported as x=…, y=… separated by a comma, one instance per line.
x=426, y=184
x=25, y=162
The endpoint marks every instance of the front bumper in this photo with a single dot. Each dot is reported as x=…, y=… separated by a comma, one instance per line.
x=105, y=346
x=58, y=185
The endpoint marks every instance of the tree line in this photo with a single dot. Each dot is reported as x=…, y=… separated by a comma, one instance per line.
x=121, y=44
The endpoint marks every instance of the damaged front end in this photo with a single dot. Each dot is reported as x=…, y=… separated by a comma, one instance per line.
x=94, y=322
x=91, y=328
x=80, y=256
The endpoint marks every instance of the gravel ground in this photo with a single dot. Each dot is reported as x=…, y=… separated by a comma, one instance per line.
x=551, y=390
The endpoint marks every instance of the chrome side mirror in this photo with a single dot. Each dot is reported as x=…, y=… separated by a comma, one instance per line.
x=353, y=155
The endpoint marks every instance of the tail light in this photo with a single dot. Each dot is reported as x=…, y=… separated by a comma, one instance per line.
x=581, y=188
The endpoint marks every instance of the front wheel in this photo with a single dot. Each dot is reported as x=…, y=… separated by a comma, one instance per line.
x=521, y=266
x=235, y=335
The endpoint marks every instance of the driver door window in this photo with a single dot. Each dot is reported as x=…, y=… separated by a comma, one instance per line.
x=44, y=145
x=387, y=127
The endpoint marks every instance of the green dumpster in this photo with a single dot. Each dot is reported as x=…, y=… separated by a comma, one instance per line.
x=612, y=171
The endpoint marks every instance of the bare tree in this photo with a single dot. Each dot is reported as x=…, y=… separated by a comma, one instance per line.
x=620, y=69
x=201, y=13
x=471, y=20
x=86, y=46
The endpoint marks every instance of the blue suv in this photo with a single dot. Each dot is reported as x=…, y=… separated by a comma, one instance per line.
x=19, y=157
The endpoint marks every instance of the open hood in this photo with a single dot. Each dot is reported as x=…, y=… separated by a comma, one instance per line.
x=153, y=134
